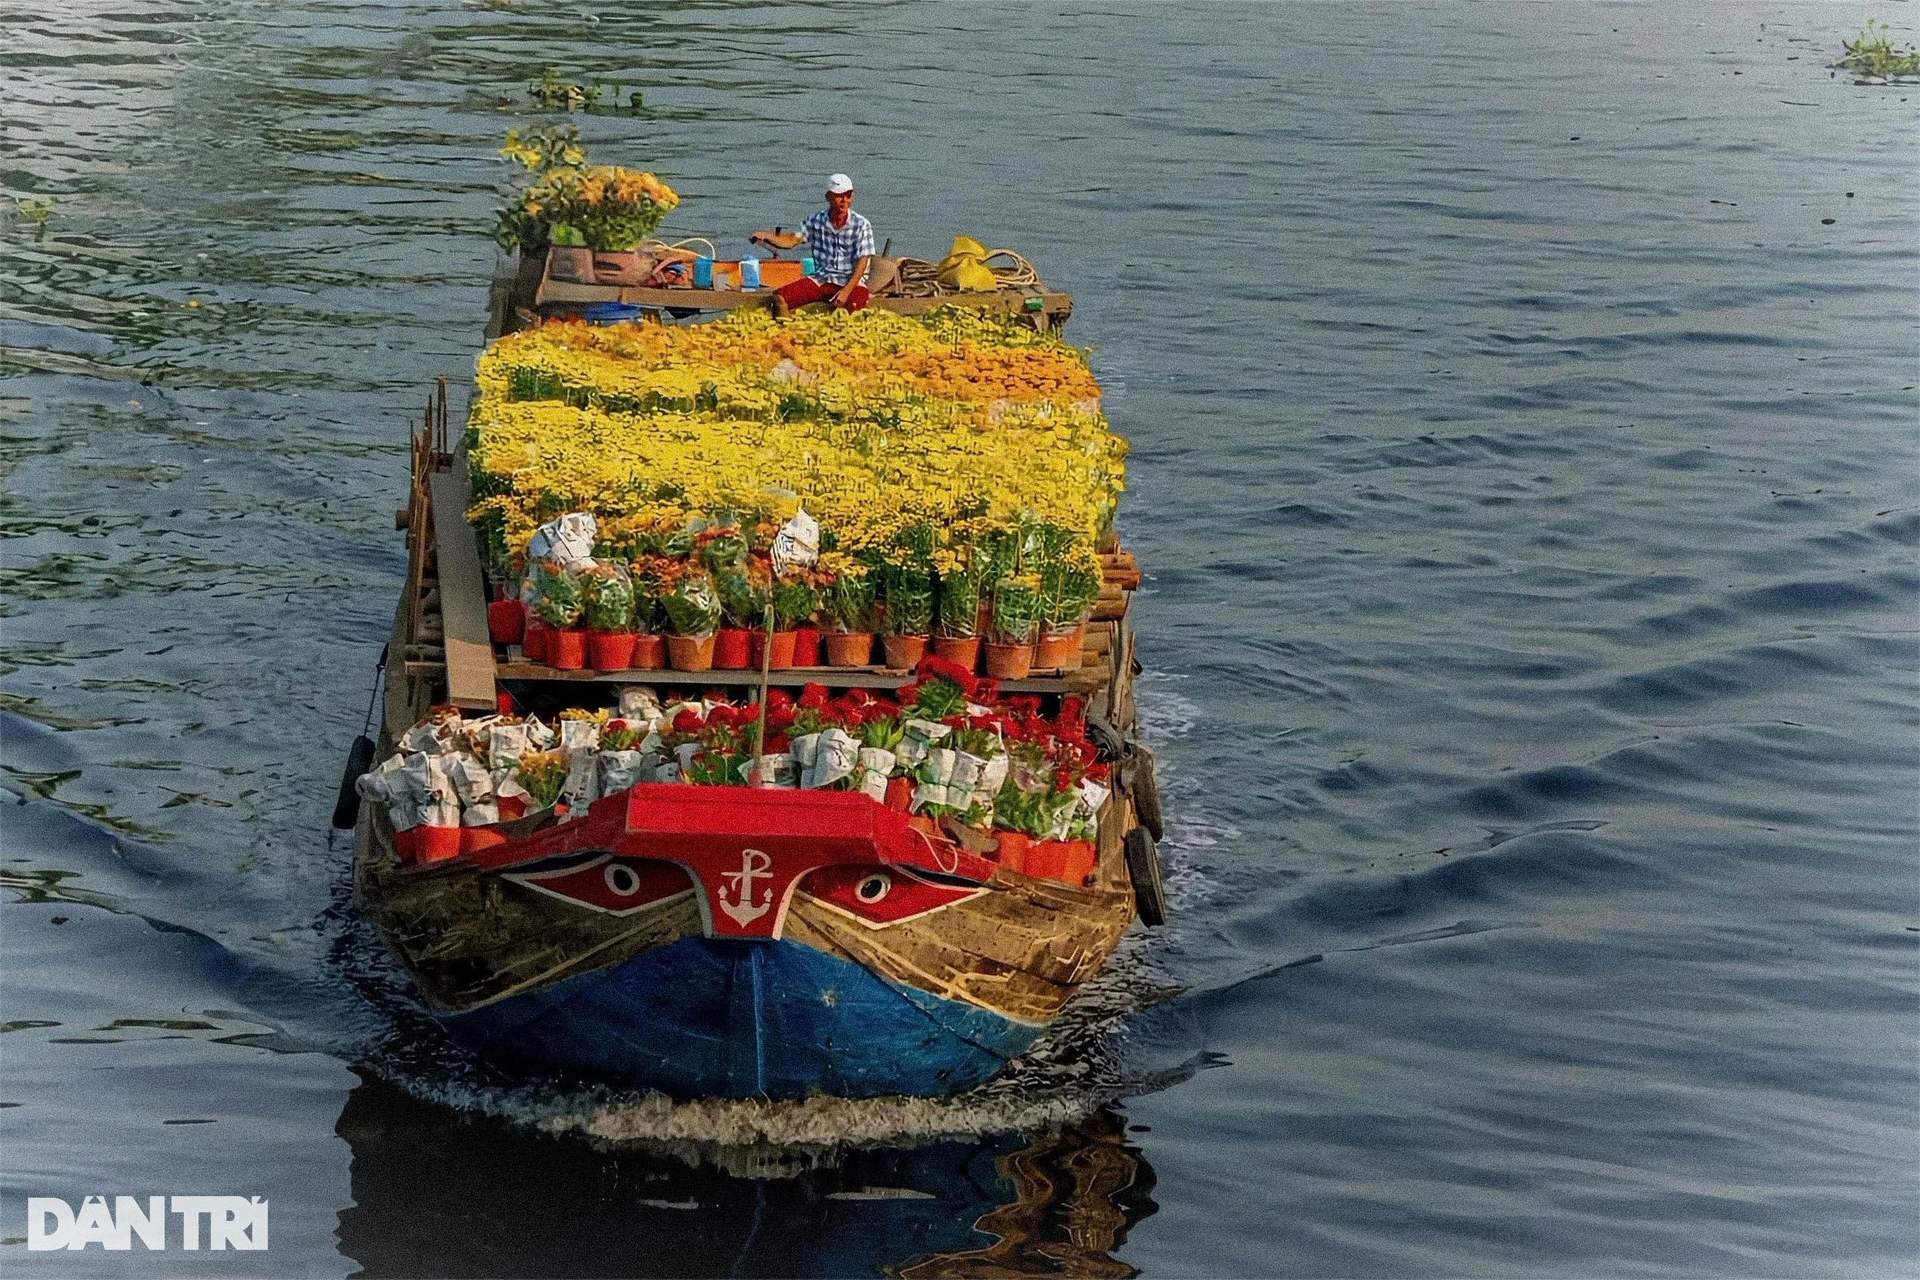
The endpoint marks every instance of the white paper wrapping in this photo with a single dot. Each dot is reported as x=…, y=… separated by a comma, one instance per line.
x=579, y=735
x=775, y=770
x=480, y=815
x=506, y=743
x=993, y=775
x=582, y=786
x=965, y=774
x=567, y=541
x=803, y=749
x=797, y=545
x=875, y=767
x=639, y=704
x=622, y=769
x=834, y=758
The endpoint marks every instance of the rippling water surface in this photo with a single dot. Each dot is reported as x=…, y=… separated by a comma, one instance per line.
x=1523, y=401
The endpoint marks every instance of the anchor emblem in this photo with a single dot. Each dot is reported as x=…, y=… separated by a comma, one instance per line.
x=754, y=865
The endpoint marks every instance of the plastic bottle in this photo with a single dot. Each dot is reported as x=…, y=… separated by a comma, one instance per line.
x=749, y=273
x=703, y=273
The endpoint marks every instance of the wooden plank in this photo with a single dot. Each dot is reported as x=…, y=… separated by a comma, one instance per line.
x=831, y=677
x=463, y=595
x=559, y=293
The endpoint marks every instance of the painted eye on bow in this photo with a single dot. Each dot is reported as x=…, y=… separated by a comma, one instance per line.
x=622, y=879
x=880, y=898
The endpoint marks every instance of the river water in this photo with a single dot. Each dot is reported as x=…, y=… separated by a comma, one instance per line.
x=1523, y=406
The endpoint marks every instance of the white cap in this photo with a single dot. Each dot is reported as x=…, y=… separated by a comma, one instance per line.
x=838, y=183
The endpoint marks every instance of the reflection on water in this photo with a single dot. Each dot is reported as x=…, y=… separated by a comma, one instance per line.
x=439, y=1193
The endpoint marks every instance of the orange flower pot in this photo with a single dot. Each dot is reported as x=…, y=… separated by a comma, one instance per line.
x=567, y=649
x=904, y=652
x=649, y=652
x=506, y=621
x=1009, y=661
x=732, y=648
x=690, y=653
x=781, y=656
x=806, y=646
x=610, y=650
x=1013, y=849
x=1060, y=650
x=966, y=651
x=437, y=844
x=900, y=794
x=849, y=648
x=534, y=641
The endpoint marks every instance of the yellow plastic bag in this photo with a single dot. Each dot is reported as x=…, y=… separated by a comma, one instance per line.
x=965, y=268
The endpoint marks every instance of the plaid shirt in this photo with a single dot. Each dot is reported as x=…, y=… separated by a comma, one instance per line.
x=837, y=250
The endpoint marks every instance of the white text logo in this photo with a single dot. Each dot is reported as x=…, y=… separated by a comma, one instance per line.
x=232, y=1222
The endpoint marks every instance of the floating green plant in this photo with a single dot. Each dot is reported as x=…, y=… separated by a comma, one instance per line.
x=1874, y=53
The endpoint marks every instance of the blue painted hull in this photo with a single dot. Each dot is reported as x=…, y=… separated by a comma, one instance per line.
x=707, y=1018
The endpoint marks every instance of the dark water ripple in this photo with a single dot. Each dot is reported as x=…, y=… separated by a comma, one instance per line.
x=1526, y=479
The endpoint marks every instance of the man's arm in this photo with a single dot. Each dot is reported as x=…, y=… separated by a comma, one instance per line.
x=859, y=277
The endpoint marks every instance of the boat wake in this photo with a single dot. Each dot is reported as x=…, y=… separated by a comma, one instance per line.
x=1078, y=1065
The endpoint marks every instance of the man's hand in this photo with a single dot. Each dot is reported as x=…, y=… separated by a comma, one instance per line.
x=844, y=296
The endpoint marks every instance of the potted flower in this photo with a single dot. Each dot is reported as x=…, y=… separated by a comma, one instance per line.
x=607, y=593
x=592, y=217
x=956, y=635
x=907, y=590
x=847, y=605
x=559, y=605
x=743, y=609
x=649, y=585
x=1068, y=590
x=1015, y=626
x=794, y=601
x=693, y=611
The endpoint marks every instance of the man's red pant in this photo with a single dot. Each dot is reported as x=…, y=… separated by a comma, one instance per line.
x=807, y=289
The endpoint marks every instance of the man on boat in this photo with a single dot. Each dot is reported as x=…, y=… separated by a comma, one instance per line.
x=841, y=242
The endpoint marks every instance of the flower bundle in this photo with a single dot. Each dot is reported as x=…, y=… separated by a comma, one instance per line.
x=949, y=746
x=566, y=201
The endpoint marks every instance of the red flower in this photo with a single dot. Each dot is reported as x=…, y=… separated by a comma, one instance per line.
x=1073, y=709
x=688, y=721
x=986, y=690
x=814, y=695
x=1025, y=704
x=933, y=665
x=779, y=700
x=721, y=717
x=777, y=744
x=908, y=693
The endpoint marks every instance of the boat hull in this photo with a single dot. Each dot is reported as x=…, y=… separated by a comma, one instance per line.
x=704, y=1017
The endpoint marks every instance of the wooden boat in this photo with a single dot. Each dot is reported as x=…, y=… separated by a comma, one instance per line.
x=727, y=941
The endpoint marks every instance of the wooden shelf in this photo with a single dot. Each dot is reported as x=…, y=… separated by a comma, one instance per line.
x=560, y=295
x=831, y=677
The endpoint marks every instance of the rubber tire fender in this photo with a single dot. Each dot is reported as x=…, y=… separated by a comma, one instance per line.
x=346, y=805
x=1143, y=785
x=1143, y=869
